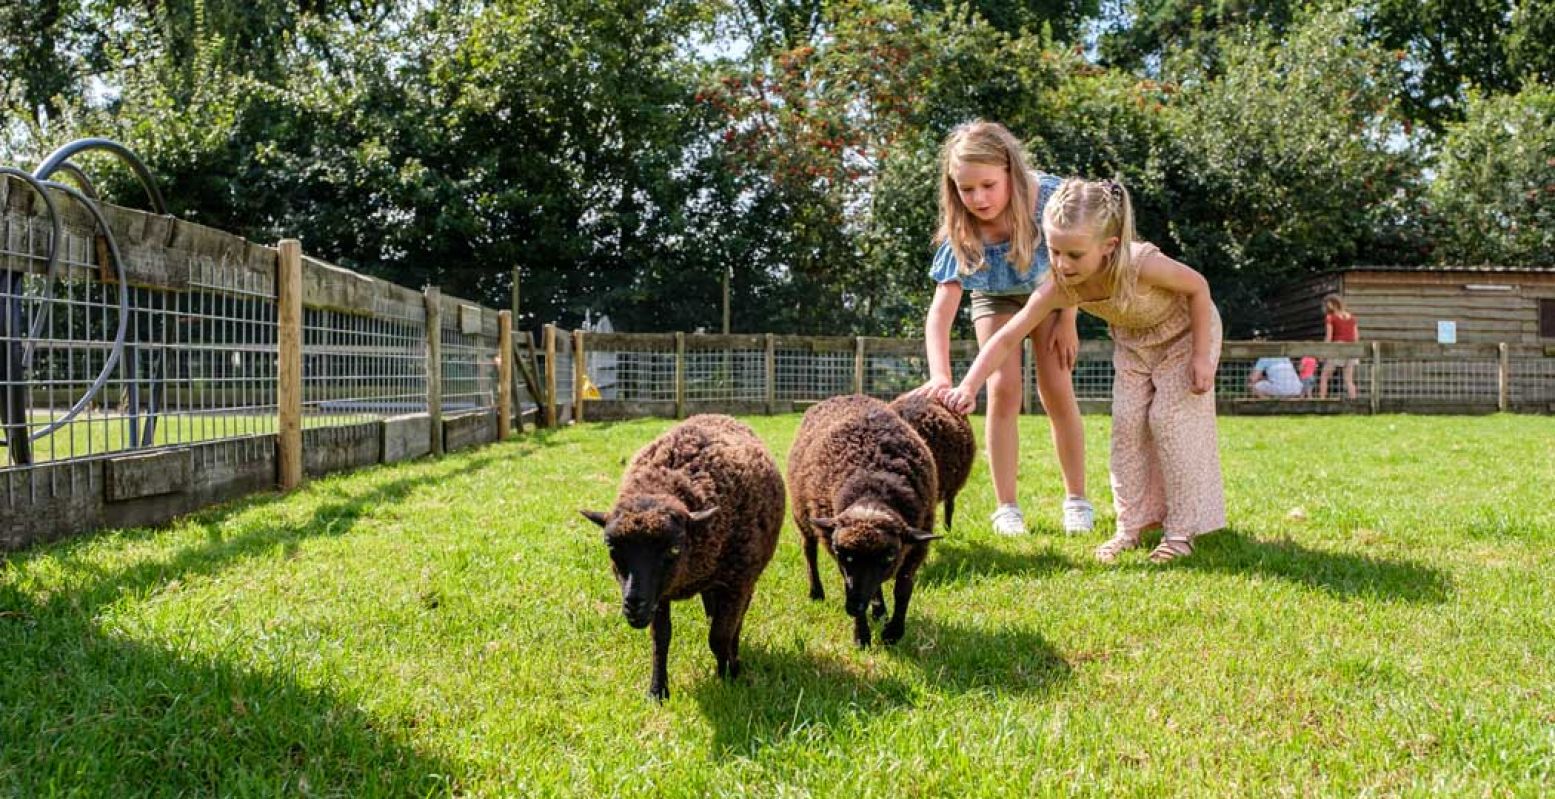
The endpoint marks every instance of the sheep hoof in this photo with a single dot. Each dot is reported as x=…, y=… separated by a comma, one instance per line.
x=818, y=593
x=892, y=633
x=659, y=693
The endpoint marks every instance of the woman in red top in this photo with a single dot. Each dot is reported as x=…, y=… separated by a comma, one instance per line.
x=1338, y=325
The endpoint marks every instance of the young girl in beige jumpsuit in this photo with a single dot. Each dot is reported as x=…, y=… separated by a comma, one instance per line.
x=1166, y=347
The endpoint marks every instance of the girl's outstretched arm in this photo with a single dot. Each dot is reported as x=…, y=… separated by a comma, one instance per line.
x=1045, y=300
x=936, y=336
x=1172, y=275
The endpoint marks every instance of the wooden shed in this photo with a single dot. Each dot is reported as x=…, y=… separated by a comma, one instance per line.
x=1483, y=304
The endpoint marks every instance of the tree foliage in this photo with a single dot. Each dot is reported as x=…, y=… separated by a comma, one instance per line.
x=623, y=155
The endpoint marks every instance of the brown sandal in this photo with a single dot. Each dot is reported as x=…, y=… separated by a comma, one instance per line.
x=1122, y=542
x=1171, y=549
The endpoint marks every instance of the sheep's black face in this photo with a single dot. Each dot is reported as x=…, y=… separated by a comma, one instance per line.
x=865, y=567
x=645, y=540
x=642, y=567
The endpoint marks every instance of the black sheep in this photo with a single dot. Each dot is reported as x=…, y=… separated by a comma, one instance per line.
x=949, y=436
x=698, y=512
x=863, y=483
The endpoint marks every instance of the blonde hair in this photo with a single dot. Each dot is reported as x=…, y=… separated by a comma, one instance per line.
x=986, y=144
x=1103, y=207
x=1333, y=303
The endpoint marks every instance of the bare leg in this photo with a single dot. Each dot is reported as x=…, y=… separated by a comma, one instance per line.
x=1001, y=431
x=1349, y=380
x=1055, y=386
x=1322, y=380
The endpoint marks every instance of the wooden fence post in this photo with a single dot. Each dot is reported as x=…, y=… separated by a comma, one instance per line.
x=550, y=375
x=771, y=357
x=1376, y=377
x=504, y=375
x=858, y=364
x=579, y=376
x=434, y=301
x=289, y=380
x=1503, y=377
x=680, y=375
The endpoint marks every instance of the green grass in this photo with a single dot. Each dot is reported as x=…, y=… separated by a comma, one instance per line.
x=451, y=627
x=94, y=433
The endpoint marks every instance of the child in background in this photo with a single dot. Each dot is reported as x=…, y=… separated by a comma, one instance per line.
x=990, y=242
x=1308, y=374
x=1166, y=334
x=1338, y=325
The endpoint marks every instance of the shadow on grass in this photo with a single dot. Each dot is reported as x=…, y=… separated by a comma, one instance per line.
x=953, y=561
x=961, y=658
x=1341, y=574
x=88, y=710
x=784, y=696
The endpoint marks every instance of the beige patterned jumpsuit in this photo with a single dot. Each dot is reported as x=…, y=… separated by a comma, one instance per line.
x=1165, y=457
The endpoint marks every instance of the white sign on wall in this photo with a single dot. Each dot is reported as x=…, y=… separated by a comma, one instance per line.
x=1446, y=332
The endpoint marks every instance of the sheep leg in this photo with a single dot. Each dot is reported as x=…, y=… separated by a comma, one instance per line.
x=950, y=511
x=861, y=635
x=897, y=626
x=877, y=606
x=723, y=635
x=659, y=687
x=816, y=591
x=906, y=576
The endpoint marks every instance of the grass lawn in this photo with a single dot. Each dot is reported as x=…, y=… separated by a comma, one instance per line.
x=451, y=627
x=95, y=433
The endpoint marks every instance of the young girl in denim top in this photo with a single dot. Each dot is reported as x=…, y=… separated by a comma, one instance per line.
x=990, y=243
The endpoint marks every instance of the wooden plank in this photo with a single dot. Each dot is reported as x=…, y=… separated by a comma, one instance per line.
x=771, y=373
x=1503, y=378
x=549, y=337
x=505, y=353
x=1376, y=378
x=1434, y=351
x=815, y=343
x=1235, y=350
x=858, y=365
x=631, y=342
x=289, y=364
x=714, y=341
x=434, y=332
x=680, y=375
x=579, y=376
x=469, y=319
x=1362, y=278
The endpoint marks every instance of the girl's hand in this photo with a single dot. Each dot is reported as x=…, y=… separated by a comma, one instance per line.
x=1202, y=372
x=1065, y=342
x=959, y=400
x=933, y=388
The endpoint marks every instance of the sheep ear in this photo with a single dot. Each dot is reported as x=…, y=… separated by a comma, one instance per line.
x=703, y=515
x=921, y=536
x=825, y=523
x=596, y=517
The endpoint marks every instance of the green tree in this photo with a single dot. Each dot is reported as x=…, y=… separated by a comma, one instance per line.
x=1281, y=164
x=1493, y=200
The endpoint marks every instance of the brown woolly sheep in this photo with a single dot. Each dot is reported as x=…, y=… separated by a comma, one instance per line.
x=698, y=512
x=949, y=436
x=863, y=483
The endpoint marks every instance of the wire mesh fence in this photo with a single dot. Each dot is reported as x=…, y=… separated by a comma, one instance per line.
x=122, y=331
x=1393, y=376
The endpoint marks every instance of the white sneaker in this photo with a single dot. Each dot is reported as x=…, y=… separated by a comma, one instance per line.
x=1008, y=520
x=1079, y=516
